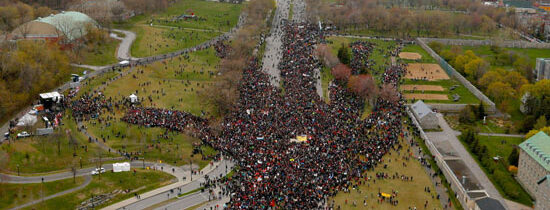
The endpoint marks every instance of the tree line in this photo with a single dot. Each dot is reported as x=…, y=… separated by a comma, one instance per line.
x=461, y=17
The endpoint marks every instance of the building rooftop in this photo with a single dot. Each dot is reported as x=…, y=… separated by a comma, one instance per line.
x=421, y=109
x=538, y=147
x=72, y=24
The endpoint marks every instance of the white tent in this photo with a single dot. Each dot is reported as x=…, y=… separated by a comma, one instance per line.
x=119, y=167
x=133, y=98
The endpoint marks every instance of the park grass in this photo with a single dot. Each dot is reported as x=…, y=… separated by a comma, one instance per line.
x=409, y=194
x=181, y=79
x=165, y=35
x=101, y=54
x=466, y=97
x=426, y=58
x=491, y=125
x=378, y=54
x=12, y=195
x=142, y=181
x=39, y=154
x=501, y=146
x=155, y=40
x=326, y=78
x=218, y=15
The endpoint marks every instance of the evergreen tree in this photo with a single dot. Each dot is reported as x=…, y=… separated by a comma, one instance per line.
x=480, y=111
x=513, y=158
x=343, y=55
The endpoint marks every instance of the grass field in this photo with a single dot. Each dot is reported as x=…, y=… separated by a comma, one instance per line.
x=99, y=55
x=161, y=33
x=379, y=54
x=409, y=192
x=155, y=40
x=505, y=183
x=326, y=78
x=172, y=84
x=142, y=181
x=493, y=125
x=466, y=97
x=39, y=154
x=12, y=195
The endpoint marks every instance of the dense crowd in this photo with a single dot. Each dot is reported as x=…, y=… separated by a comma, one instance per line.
x=361, y=51
x=274, y=169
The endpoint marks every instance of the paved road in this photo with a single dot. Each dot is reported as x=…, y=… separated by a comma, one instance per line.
x=274, y=51
x=123, y=52
x=7, y=178
x=86, y=183
x=448, y=135
x=163, y=194
x=299, y=11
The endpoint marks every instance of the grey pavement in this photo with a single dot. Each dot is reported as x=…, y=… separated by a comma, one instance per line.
x=273, y=51
x=448, y=136
x=123, y=51
x=171, y=191
x=299, y=11
x=86, y=183
x=196, y=199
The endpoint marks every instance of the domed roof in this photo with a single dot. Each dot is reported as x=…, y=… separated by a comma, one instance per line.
x=71, y=24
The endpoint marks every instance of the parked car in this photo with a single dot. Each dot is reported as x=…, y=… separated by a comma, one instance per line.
x=98, y=171
x=23, y=134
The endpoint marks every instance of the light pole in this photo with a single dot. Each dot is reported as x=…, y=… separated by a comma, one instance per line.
x=17, y=169
x=191, y=167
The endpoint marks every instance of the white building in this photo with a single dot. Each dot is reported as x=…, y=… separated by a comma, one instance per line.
x=425, y=115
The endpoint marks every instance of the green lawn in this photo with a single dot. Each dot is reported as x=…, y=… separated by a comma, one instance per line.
x=211, y=15
x=426, y=58
x=493, y=125
x=12, y=195
x=101, y=54
x=379, y=53
x=466, y=97
x=39, y=154
x=161, y=33
x=154, y=40
x=326, y=78
x=142, y=181
x=497, y=171
x=179, y=81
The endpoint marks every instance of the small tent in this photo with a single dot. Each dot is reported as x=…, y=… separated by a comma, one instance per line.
x=133, y=98
x=119, y=167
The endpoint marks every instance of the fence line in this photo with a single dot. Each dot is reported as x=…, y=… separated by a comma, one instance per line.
x=453, y=73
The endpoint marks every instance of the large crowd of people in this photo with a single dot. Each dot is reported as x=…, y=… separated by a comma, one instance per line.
x=260, y=135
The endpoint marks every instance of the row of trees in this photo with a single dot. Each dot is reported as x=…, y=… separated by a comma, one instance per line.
x=404, y=22
x=224, y=93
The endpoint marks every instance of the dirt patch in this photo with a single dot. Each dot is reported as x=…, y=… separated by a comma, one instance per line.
x=418, y=96
x=422, y=87
x=410, y=56
x=426, y=71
